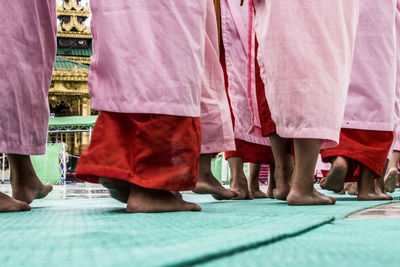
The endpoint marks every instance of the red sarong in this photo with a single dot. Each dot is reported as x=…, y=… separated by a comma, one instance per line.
x=250, y=152
x=152, y=151
x=267, y=124
x=370, y=148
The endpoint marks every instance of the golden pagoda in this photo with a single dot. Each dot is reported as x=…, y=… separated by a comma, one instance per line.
x=69, y=94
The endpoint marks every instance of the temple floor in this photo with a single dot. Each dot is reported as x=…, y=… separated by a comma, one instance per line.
x=74, y=228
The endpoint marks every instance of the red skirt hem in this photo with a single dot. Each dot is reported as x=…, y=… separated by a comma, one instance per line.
x=369, y=148
x=249, y=152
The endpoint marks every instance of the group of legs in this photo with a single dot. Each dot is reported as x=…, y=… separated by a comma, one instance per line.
x=369, y=186
x=359, y=165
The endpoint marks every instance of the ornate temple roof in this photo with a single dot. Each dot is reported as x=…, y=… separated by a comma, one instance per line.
x=72, y=16
x=64, y=63
x=69, y=70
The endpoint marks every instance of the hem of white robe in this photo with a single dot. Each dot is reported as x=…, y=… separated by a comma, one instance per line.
x=22, y=149
x=371, y=126
x=120, y=106
x=252, y=139
x=217, y=147
x=329, y=137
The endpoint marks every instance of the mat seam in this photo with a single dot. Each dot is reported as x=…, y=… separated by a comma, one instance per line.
x=242, y=248
x=366, y=208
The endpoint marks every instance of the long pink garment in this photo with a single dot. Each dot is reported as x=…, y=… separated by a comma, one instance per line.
x=216, y=125
x=397, y=103
x=371, y=96
x=148, y=56
x=27, y=53
x=234, y=22
x=305, y=54
x=155, y=57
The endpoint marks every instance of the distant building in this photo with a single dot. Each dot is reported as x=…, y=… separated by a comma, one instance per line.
x=69, y=94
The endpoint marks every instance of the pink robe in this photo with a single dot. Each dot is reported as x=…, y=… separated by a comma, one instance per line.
x=234, y=22
x=371, y=96
x=305, y=54
x=160, y=63
x=397, y=103
x=27, y=53
x=216, y=124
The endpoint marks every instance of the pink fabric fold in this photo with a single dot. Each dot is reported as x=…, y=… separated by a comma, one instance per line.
x=27, y=53
x=306, y=54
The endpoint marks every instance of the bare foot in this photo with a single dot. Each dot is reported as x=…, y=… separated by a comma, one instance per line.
x=351, y=188
x=391, y=180
x=334, y=181
x=258, y=194
x=373, y=196
x=238, y=179
x=367, y=188
x=118, y=189
x=144, y=200
x=8, y=204
x=297, y=198
x=25, y=184
x=254, y=184
x=281, y=180
x=379, y=191
x=281, y=192
x=280, y=185
x=240, y=187
x=208, y=184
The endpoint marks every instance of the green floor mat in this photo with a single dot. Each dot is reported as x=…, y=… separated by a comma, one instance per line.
x=96, y=232
x=344, y=243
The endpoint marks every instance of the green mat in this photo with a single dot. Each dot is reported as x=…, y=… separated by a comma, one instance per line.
x=96, y=232
x=344, y=243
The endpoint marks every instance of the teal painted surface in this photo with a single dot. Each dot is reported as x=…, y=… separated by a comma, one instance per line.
x=97, y=232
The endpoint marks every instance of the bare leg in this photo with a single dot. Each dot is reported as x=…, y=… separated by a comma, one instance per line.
x=334, y=181
x=392, y=177
x=366, y=186
x=283, y=165
x=25, y=184
x=8, y=204
x=238, y=179
x=254, y=184
x=208, y=184
x=271, y=181
x=144, y=200
x=380, y=182
x=302, y=191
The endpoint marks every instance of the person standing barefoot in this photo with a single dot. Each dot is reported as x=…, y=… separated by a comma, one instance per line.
x=366, y=137
x=148, y=138
x=216, y=127
x=27, y=54
x=391, y=180
x=299, y=84
x=251, y=146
